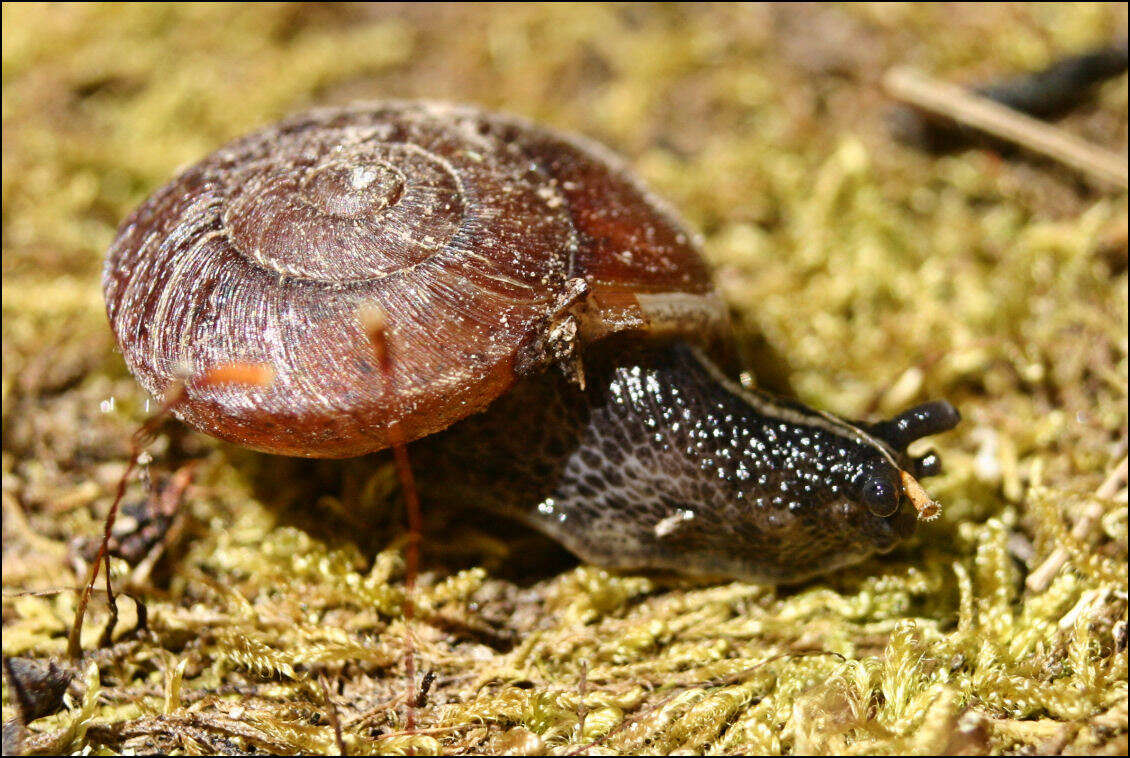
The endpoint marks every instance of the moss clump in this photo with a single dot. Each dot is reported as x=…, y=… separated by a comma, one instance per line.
x=877, y=275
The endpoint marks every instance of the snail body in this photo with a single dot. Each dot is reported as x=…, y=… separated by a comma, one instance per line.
x=498, y=252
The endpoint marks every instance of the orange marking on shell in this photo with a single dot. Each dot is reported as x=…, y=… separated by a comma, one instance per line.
x=251, y=374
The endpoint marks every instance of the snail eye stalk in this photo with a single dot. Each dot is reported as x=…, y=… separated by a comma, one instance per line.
x=916, y=423
x=928, y=464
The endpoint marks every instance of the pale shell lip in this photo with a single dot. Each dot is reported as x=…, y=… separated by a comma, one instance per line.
x=683, y=312
x=659, y=314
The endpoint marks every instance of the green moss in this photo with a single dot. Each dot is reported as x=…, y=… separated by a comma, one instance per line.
x=878, y=275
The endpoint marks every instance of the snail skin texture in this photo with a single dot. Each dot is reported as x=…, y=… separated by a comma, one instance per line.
x=553, y=341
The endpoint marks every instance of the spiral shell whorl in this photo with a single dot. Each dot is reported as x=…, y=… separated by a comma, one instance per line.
x=359, y=209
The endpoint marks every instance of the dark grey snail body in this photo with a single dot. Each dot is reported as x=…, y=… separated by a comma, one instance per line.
x=663, y=463
x=497, y=253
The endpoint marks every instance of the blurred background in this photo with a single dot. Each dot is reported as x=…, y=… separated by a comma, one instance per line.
x=864, y=273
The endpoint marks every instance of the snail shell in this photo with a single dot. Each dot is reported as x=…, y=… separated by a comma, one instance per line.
x=491, y=245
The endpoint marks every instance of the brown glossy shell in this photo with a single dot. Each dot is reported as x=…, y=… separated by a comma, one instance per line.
x=478, y=235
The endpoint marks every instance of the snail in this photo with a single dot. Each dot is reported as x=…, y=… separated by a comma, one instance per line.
x=555, y=344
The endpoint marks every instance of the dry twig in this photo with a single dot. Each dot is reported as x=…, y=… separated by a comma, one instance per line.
x=981, y=113
x=1042, y=576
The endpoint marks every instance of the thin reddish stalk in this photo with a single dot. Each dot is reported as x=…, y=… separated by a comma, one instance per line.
x=375, y=322
x=234, y=373
x=137, y=442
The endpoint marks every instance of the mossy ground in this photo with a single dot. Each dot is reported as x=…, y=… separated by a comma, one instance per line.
x=876, y=275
